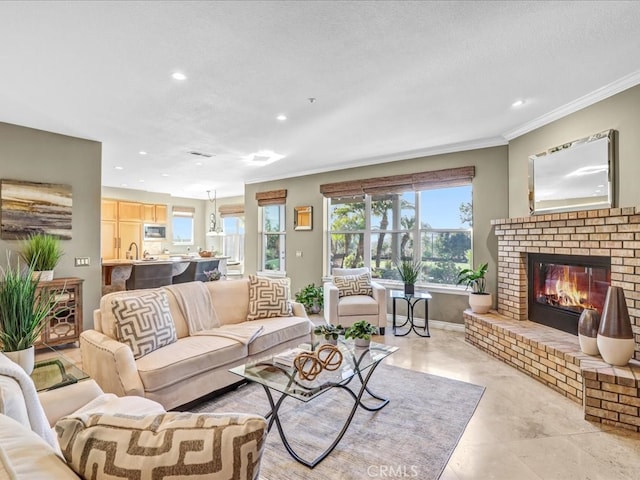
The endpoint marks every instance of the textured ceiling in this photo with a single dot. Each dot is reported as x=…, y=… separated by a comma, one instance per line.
x=392, y=79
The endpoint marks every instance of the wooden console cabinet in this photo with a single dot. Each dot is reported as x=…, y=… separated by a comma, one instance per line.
x=64, y=324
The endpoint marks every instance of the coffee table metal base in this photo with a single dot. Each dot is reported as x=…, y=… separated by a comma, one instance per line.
x=357, y=401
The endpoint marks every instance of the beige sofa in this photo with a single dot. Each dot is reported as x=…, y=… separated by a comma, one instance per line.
x=62, y=434
x=194, y=365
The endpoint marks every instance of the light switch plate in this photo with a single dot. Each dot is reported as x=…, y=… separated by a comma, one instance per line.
x=83, y=261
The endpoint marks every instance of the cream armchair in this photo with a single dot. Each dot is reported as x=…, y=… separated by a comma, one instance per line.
x=349, y=309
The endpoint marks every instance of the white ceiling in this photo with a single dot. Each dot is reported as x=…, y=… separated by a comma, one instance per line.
x=392, y=80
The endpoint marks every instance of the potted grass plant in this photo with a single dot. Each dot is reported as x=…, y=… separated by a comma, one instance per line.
x=41, y=252
x=480, y=300
x=409, y=273
x=361, y=332
x=24, y=309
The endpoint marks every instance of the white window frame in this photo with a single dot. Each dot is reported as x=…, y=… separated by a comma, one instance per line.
x=183, y=212
x=264, y=242
x=368, y=233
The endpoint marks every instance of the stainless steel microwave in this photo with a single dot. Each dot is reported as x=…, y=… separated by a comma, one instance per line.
x=155, y=232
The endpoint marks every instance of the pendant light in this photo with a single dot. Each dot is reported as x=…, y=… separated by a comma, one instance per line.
x=214, y=227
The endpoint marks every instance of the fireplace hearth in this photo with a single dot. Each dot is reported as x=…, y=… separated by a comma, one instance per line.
x=562, y=286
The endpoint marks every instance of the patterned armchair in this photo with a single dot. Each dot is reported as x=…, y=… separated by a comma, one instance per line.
x=352, y=296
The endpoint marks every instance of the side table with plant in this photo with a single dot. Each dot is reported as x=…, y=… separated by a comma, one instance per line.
x=361, y=332
x=312, y=297
x=480, y=300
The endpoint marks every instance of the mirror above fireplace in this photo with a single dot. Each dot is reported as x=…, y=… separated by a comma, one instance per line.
x=578, y=175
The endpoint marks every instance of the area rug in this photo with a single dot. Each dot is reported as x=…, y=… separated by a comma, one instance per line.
x=413, y=436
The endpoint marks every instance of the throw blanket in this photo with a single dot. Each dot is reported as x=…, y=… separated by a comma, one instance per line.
x=194, y=302
x=241, y=332
x=37, y=418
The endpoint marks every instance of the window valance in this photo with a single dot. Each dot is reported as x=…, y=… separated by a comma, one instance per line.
x=448, y=177
x=184, y=211
x=231, y=210
x=272, y=197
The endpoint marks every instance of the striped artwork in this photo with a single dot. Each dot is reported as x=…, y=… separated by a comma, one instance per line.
x=144, y=322
x=268, y=297
x=170, y=445
x=353, y=285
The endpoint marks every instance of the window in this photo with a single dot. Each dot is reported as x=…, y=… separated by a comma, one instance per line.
x=273, y=237
x=234, y=238
x=376, y=230
x=182, y=225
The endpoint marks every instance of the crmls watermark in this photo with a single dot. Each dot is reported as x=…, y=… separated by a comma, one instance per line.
x=392, y=471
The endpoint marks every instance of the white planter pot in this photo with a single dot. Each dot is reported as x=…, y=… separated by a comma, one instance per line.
x=43, y=276
x=361, y=342
x=480, y=303
x=25, y=358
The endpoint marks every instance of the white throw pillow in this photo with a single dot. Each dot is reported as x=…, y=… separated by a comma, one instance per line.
x=144, y=322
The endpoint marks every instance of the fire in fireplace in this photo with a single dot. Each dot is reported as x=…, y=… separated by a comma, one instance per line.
x=562, y=286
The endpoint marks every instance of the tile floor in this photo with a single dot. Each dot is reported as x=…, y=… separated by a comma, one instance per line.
x=521, y=430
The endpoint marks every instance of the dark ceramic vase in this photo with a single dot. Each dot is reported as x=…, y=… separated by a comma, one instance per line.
x=409, y=288
x=588, y=331
x=615, y=336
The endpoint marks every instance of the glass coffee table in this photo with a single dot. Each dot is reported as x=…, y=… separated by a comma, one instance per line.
x=285, y=380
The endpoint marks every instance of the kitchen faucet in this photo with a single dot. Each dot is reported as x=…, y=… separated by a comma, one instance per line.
x=134, y=244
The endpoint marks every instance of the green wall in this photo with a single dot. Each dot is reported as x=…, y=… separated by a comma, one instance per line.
x=38, y=156
x=490, y=194
x=619, y=112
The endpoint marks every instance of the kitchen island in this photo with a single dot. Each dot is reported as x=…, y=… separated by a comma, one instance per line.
x=120, y=275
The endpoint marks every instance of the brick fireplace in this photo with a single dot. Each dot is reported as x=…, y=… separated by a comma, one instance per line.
x=613, y=233
x=609, y=394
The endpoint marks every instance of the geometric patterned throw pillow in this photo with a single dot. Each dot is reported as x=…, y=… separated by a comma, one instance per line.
x=268, y=297
x=170, y=445
x=144, y=322
x=353, y=285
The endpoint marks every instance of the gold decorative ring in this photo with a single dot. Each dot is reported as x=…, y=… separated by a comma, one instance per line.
x=330, y=356
x=307, y=365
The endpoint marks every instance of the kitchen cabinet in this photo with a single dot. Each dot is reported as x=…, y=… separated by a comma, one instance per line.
x=64, y=323
x=121, y=224
x=154, y=213
x=129, y=211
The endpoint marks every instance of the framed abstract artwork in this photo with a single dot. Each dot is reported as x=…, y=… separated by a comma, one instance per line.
x=30, y=207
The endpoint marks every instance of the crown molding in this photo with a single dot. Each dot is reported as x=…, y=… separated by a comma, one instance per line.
x=598, y=95
x=406, y=155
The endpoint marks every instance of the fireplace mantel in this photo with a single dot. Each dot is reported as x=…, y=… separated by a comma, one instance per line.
x=613, y=232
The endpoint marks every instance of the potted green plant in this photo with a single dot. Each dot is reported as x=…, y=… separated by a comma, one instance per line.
x=42, y=253
x=480, y=301
x=361, y=332
x=312, y=297
x=24, y=309
x=329, y=332
x=409, y=273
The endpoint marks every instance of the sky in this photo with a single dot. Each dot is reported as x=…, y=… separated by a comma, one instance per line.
x=441, y=208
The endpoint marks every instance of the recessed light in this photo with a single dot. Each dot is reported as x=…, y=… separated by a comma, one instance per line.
x=179, y=76
x=263, y=157
x=600, y=186
x=119, y=167
x=199, y=164
x=518, y=103
x=142, y=152
x=165, y=174
x=141, y=180
x=282, y=118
